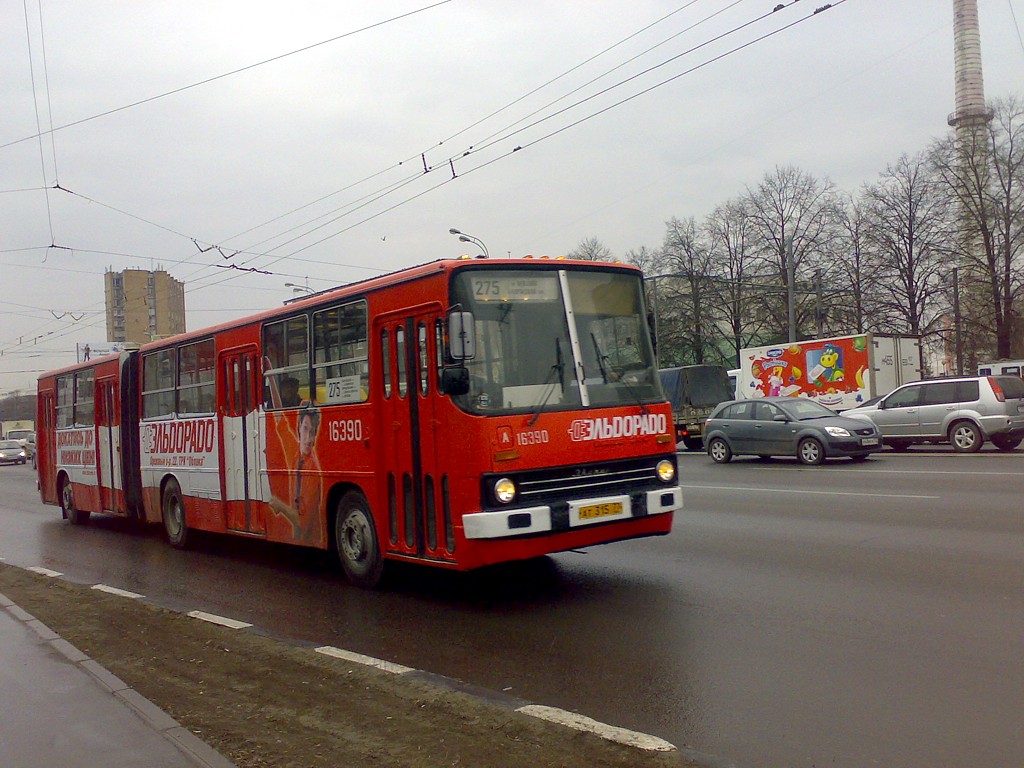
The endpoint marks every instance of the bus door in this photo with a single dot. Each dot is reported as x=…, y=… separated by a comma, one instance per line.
x=240, y=442
x=46, y=446
x=107, y=444
x=410, y=438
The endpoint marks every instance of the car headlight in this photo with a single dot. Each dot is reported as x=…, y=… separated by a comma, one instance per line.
x=666, y=471
x=837, y=431
x=504, y=490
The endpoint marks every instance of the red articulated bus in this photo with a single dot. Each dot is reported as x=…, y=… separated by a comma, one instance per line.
x=457, y=414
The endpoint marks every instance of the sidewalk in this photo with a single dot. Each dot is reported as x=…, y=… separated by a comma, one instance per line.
x=59, y=708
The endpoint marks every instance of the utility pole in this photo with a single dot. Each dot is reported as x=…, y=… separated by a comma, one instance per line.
x=819, y=309
x=787, y=245
x=957, y=340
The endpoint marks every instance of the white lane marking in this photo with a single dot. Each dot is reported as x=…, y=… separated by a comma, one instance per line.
x=366, y=661
x=609, y=732
x=819, y=493
x=44, y=571
x=116, y=591
x=221, y=620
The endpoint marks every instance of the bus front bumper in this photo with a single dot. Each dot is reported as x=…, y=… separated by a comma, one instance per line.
x=566, y=516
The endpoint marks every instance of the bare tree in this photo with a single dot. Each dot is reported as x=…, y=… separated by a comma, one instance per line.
x=730, y=236
x=852, y=298
x=909, y=228
x=649, y=261
x=689, y=294
x=983, y=172
x=591, y=249
x=793, y=216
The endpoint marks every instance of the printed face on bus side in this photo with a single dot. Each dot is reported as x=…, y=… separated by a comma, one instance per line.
x=307, y=434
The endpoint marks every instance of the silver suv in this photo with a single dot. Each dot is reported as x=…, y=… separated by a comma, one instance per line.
x=964, y=411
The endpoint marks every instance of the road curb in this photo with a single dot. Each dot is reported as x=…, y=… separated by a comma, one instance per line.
x=205, y=755
x=186, y=742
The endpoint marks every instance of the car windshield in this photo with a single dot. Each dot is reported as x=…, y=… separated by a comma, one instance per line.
x=8, y=444
x=551, y=339
x=801, y=410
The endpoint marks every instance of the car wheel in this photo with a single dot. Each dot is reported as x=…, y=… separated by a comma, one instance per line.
x=1004, y=443
x=693, y=443
x=899, y=445
x=67, y=505
x=810, y=451
x=173, y=506
x=965, y=437
x=355, y=539
x=719, y=450
x=859, y=457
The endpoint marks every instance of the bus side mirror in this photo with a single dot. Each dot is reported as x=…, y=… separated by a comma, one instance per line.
x=455, y=381
x=461, y=335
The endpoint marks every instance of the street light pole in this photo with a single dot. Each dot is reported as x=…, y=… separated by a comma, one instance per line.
x=296, y=288
x=464, y=238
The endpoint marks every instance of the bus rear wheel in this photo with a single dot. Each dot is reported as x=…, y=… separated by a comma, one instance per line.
x=173, y=508
x=355, y=539
x=67, y=505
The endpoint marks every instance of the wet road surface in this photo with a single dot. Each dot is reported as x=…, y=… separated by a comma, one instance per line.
x=843, y=615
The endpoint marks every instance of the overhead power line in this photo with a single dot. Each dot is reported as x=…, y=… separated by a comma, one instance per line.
x=228, y=74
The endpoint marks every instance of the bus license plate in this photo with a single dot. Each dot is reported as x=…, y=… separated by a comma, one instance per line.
x=600, y=510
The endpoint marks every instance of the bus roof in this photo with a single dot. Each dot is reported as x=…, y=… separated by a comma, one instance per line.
x=381, y=282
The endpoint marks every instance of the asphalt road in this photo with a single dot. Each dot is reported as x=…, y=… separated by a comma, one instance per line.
x=842, y=615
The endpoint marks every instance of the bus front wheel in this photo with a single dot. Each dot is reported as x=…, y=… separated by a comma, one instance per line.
x=173, y=507
x=355, y=539
x=67, y=505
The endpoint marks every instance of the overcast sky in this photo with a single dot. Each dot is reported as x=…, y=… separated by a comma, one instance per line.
x=312, y=166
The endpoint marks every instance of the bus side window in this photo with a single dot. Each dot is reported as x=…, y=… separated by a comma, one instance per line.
x=385, y=360
x=286, y=363
x=403, y=381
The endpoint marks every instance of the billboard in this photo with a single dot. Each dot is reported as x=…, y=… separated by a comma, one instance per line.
x=91, y=350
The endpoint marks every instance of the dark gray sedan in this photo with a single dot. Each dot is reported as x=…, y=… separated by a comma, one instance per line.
x=786, y=426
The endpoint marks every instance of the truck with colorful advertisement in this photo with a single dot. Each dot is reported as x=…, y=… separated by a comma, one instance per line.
x=841, y=372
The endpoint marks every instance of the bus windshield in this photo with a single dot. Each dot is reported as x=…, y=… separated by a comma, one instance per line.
x=556, y=340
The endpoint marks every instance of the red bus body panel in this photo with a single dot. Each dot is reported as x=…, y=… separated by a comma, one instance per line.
x=418, y=459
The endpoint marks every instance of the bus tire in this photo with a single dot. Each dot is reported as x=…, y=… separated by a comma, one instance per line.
x=67, y=504
x=356, y=542
x=172, y=506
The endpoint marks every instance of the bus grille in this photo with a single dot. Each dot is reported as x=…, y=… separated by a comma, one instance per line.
x=548, y=486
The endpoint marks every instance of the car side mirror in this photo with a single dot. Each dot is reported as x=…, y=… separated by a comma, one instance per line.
x=780, y=417
x=455, y=381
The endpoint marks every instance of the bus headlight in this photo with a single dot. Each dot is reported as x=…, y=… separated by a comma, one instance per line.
x=666, y=471
x=504, y=490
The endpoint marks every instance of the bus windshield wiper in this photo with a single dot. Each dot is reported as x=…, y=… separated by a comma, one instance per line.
x=549, y=383
x=601, y=357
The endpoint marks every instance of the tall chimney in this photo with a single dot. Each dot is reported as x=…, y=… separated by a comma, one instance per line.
x=970, y=88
